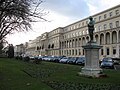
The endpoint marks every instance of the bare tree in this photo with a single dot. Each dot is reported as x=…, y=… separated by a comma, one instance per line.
x=17, y=15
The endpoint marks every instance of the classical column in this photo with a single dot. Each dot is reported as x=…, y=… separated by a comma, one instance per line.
x=99, y=39
x=110, y=37
x=104, y=38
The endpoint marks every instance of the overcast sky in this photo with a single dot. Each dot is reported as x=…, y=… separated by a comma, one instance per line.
x=62, y=13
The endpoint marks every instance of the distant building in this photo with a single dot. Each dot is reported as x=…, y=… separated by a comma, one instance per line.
x=69, y=40
x=30, y=49
x=19, y=50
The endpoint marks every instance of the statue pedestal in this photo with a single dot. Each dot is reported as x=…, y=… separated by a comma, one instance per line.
x=91, y=67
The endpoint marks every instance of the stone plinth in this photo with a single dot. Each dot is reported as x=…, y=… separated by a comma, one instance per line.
x=91, y=67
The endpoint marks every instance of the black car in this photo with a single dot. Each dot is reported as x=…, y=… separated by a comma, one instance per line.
x=81, y=60
x=72, y=60
x=57, y=58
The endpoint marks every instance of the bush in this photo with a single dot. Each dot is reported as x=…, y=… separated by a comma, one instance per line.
x=19, y=57
x=37, y=61
x=26, y=59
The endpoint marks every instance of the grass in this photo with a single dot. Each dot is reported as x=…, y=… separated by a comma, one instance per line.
x=19, y=75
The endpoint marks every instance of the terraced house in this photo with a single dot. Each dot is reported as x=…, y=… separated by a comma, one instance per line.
x=69, y=40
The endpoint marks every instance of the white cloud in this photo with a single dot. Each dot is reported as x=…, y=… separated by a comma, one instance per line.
x=39, y=28
x=96, y=6
x=69, y=8
x=92, y=9
x=55, y=21
x=109, y=3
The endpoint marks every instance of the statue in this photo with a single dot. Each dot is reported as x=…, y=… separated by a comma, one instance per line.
x=91, y=28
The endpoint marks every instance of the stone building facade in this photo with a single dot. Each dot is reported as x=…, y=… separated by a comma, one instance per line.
x=30, y=49
x=69, y=40
x=107, y=34
x=19, y=50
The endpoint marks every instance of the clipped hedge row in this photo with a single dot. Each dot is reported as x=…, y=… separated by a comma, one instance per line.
x=81, y=86
x=39, y=72
x=44, y=71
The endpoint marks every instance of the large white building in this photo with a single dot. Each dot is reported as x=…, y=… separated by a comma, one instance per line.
x=69, y=40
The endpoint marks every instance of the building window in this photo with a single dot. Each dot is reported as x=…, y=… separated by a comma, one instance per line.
x=79, y=24
x=111, y=25
x=83, y=32
x=95, y=19
x=101, y=51
x=73, y=34
x=37, y=47
x=76, y=33
x=117, y=12
x=76, y=26
x=99, y=28
x=70, y=43
x=82, y=23
x=69, y=52
x=105, y=26
x=114, y=50
x=67, y=36
x=95, y=30
x=73, y=52
x=86, y=22
x=86, y=31
x=99, y=18
x=110, y=14
x=72, y=27
x=117, y=23
x=76, y=52
x=83, y=52
x=107, y=51
x=105, y=16
x=80, y=33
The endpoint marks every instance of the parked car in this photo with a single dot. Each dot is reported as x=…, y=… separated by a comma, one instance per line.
x=107, y=62
x=116, y=61
x=64, y=59
x=81, y=60
x=45, y=58
x=31, y=57
x=72, y=60
x=49, y=58
x=41, y=57
x=57, y=58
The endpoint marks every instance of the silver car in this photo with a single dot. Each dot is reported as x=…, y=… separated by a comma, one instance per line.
x=64, y=59
x=107, y=62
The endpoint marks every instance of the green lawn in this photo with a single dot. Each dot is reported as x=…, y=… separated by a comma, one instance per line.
x=19, y=75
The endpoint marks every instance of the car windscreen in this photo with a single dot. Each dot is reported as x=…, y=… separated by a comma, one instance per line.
x=107, y=60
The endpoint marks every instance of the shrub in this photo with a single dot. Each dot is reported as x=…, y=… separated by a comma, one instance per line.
x=26, y=59
x=37, y=61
